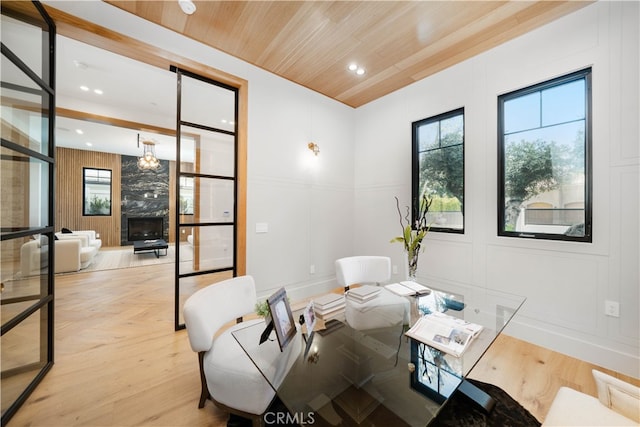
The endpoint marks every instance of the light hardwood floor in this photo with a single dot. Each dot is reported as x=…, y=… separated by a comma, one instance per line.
x=119, y=362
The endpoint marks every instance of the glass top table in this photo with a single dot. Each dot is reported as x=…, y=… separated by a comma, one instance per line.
x=353, y=376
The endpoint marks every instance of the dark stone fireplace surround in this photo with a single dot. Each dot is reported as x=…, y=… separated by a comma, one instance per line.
x=145, y=196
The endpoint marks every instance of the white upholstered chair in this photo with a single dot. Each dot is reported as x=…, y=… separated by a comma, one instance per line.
x=387, y=309
x=227, y=374
x=617, y=404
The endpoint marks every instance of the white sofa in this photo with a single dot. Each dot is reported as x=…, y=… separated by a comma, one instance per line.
x=89, y=237
x=617, y=404
x=72, y=254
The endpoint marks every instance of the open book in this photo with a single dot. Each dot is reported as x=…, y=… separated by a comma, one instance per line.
x=408, y=288
x=444, y=332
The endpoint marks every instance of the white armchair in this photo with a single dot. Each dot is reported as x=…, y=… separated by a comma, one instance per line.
x=227, y=374
x=618, y=404
x=68, y=256
x=88, y=249
x=387, y=309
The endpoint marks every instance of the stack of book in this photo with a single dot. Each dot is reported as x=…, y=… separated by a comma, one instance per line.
x=329, y=306
x=363, y=293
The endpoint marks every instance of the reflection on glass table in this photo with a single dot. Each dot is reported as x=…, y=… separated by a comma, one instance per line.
x=436, y=373
x=432, y=374
x=354, y=376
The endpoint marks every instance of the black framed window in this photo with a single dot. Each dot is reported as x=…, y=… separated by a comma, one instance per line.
x=96, y=192
x=438, y=169
x=544, y=146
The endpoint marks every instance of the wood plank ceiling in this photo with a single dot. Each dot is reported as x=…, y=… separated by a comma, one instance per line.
x=313, y=42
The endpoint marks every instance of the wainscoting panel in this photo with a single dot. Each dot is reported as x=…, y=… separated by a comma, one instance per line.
x=563, y=289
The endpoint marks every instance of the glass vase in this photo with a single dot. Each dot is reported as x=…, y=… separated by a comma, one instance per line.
x=412, y=264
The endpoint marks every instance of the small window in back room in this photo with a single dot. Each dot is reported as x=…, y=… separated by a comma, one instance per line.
x=97, y=192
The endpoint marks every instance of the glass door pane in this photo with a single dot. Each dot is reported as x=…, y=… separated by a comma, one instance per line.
x=206, y=186
x=26, y=205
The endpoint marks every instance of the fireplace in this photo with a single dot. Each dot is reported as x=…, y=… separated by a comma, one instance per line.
x=145, y=228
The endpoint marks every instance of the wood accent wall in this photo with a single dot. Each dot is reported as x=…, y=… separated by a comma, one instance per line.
x=69, y=164
x=14, y=181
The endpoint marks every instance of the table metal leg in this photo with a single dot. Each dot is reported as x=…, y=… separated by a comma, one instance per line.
x=477, y=396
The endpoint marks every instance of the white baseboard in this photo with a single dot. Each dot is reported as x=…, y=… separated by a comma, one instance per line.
x=617, y=360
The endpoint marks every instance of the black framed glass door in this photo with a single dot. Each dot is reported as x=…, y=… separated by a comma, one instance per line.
x=27, y=199
x=206, y=185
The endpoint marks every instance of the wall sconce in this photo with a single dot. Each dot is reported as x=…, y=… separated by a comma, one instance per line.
x=314, y=147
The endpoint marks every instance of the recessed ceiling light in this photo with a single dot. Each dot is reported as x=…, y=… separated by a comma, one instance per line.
x=88, y=144
x=84, y=88
x=79, y=131
x=356, y=69
x=223, y=121
x=98, y=91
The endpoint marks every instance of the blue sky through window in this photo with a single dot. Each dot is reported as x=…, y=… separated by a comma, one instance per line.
x=556, y=105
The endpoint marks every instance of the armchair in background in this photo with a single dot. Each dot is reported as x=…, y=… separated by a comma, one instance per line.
x=387, y=309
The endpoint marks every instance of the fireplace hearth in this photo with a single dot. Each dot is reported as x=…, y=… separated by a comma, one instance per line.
x=145, y=228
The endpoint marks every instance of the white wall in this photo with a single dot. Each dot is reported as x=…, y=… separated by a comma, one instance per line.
x=305, y=201
x=566, y=283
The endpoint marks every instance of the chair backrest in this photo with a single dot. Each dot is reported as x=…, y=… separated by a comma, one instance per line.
x=208, y=309
x=363, y=269
x=620, y=396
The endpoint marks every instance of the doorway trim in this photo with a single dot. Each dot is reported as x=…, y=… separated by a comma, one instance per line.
x=104, y=38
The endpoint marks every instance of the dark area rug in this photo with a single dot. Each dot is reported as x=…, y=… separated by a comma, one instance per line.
x=461, y=412
x=458, y=412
